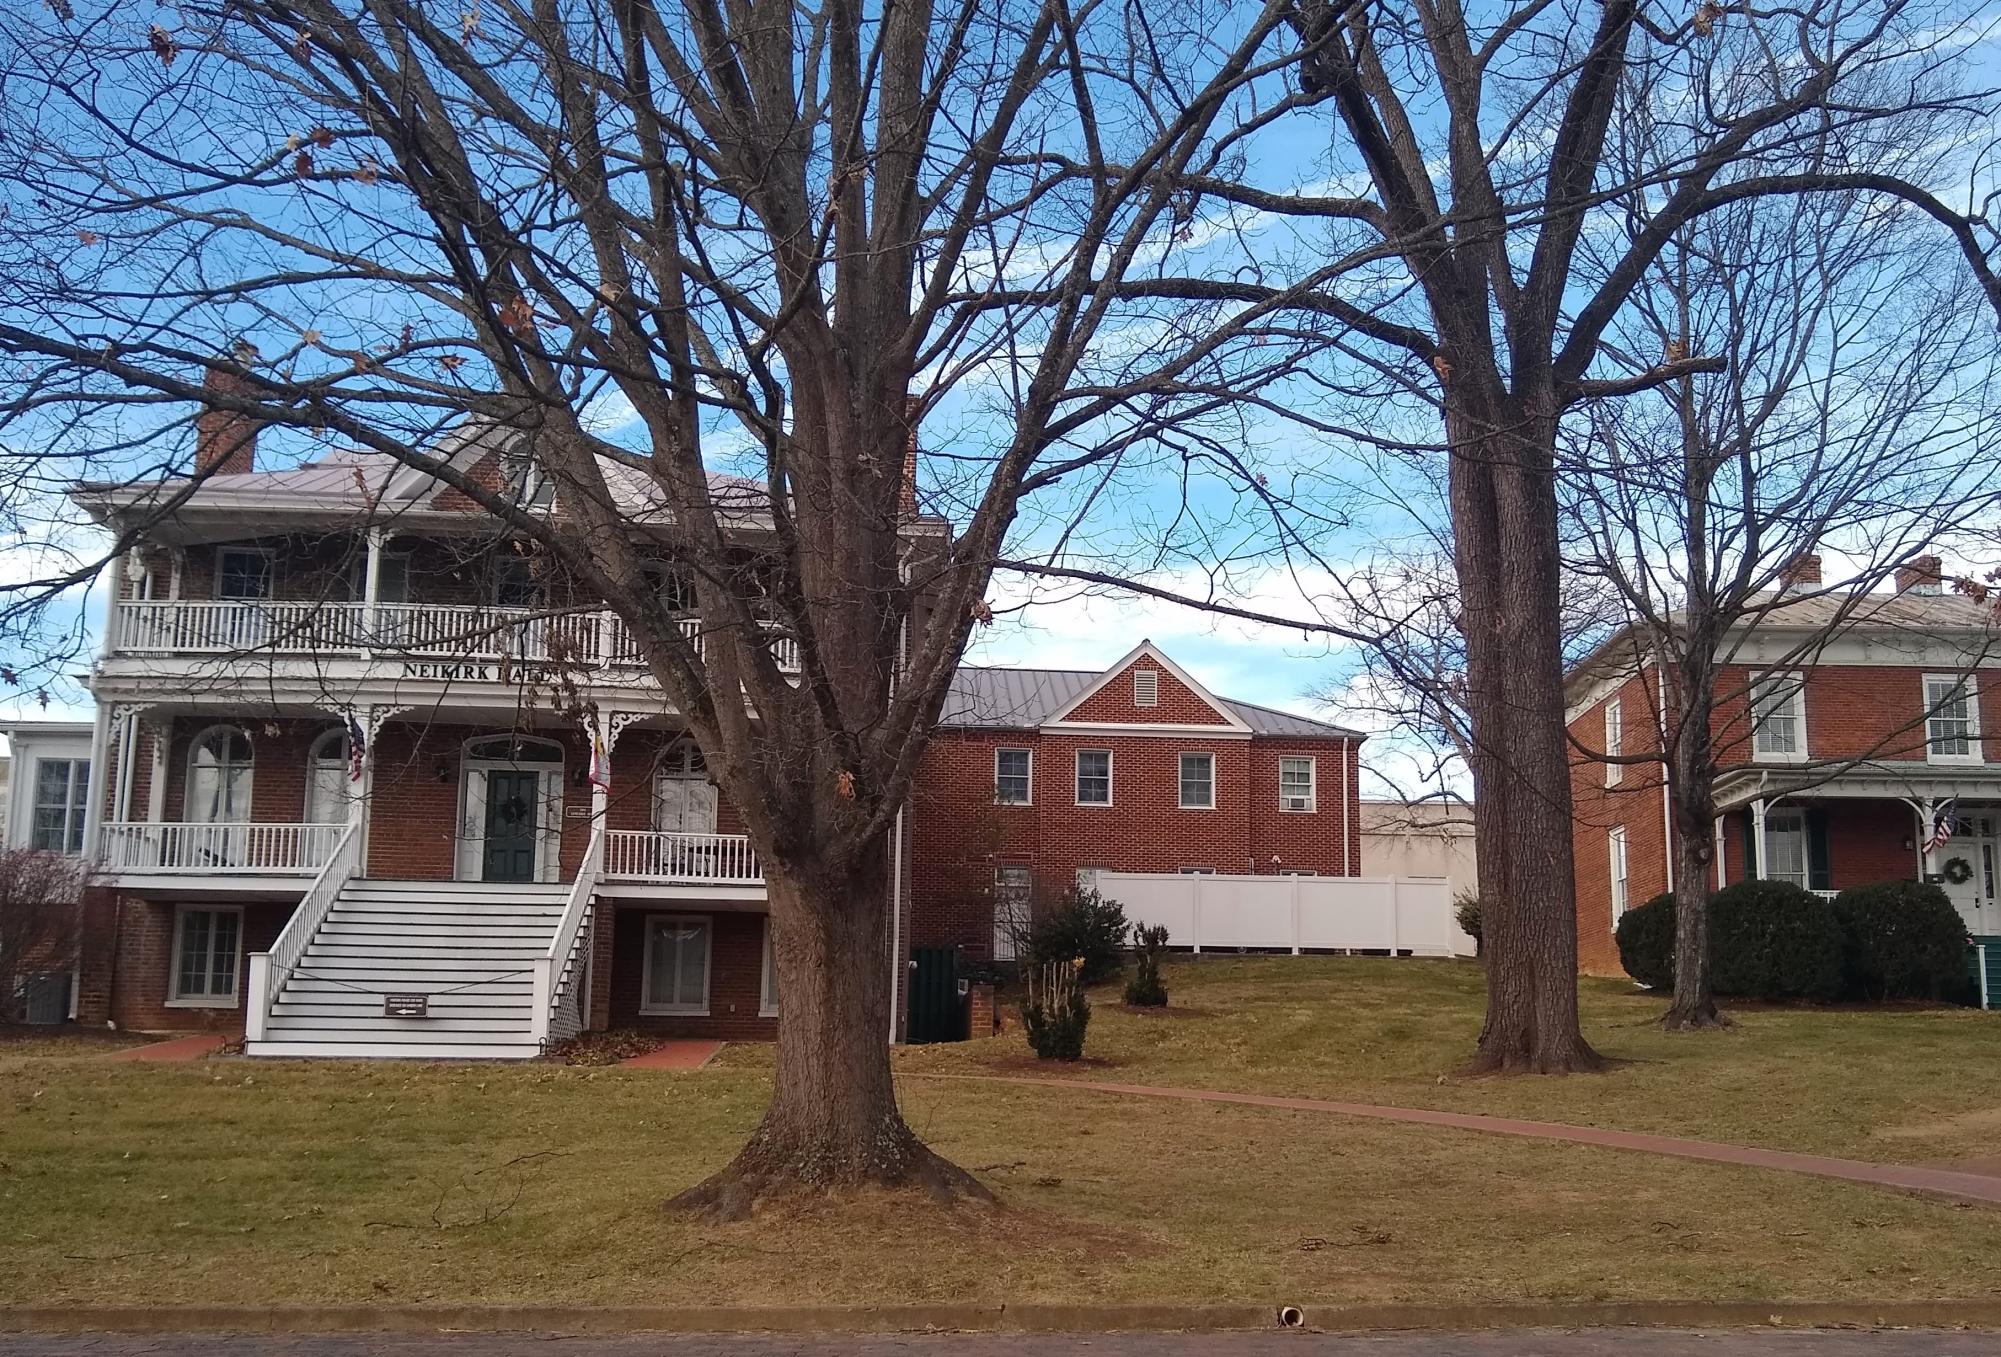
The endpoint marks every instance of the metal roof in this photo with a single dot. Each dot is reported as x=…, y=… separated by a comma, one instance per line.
x=998, y=698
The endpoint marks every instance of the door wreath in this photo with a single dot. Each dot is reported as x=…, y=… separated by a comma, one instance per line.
x=1958, y=871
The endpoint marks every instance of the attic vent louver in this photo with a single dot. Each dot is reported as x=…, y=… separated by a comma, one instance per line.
x=1146, y=688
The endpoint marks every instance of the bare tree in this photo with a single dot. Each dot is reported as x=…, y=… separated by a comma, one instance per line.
x=1476, y=170
x=1852, y=415
x=39, y=891
x=778, y=234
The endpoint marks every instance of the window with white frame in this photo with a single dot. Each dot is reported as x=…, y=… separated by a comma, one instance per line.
x=1615, y=740
x=208, y=949
x=1094, y=777
x=677, y=964
x=1013, y=885
x=1146, y=687
x=1615, y=839
x=1013, y=776
x=1295, y=784
x=62, y=792
x=1198, y=781
x=219, y=771
x=328, y=782
x=242, y=573
x=1785, y=846
x=1952, y=719
x=767, y=993
x=1778, y=716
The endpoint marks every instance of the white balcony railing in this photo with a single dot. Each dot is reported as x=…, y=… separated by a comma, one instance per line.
x=218, y=849
x=642, y=855
x=206, y=627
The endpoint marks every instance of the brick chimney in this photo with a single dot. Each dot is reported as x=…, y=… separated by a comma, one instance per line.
x=1801, y=572
x=1921, y=575
x=906, y=500
x=226, y=441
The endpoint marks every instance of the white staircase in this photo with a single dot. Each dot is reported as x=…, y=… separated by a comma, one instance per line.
x=469, y=947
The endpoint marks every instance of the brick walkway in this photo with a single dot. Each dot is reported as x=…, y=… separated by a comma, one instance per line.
x=1957, y=1184
x=176, y=1049
x=675, y=1055
x=1506, y=1343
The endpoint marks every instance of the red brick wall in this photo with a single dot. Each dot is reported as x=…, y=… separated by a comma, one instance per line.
x=736, y=975
x=141, y=959
x=1852, y=711
x=1179, y=704
x=959, y=835
x=413, y=822
x=1636, y=803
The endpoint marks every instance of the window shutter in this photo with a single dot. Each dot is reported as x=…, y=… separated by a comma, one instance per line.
x=1819, y=874
x=1750, y=849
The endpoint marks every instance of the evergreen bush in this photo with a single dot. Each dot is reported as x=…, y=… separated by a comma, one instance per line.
x=1056, y=1013
x=1901, y=940
x=1767, y=940
x=1083, y=926
x=1146, y=989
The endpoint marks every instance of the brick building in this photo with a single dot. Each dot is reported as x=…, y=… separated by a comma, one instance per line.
x=1850, y=731
x=338, y=803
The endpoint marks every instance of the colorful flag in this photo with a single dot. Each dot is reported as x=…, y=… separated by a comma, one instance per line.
x=600, y=764
x=1945, y=823
x=357, y=745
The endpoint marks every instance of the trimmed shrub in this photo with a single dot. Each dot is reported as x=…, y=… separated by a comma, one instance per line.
x=1774, y=940
x=1056, y=1013
x=1767, y=940
x=1466, y=910
x=1083, y=926
x=1146, y=989
x=1646, y=942
x=1901, y=940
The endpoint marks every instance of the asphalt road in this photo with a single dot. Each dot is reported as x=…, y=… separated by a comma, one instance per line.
x=1509, y=1343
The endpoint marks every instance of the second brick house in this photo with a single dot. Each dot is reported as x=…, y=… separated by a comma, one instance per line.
x=1858, y=740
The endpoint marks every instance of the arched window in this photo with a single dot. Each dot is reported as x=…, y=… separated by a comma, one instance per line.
x=328, y=784
x=219, y=777
x=684, y=800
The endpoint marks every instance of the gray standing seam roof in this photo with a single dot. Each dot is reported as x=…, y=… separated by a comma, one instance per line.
x=1019, y=699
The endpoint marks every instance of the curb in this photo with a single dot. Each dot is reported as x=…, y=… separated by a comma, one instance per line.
x=995, y=1318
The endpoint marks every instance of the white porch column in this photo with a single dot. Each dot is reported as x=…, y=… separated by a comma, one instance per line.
x=1927, y=809
x=1720, y=865
x=1758, y=838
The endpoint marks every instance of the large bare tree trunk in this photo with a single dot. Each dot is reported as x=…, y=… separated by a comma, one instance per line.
x=833, y=1120
x=1506, y=549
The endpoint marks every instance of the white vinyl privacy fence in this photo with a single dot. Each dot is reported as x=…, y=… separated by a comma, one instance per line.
x=1293, y=913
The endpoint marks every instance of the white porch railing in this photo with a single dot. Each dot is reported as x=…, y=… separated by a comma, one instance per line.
x=207, y=627
x=643, y=855
x=203, y=849
x=269, y=970
x=558, y=994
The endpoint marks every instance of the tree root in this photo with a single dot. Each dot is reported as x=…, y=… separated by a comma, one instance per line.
x=1703, y=1018
x=1571, y=1058
x=773, y=1169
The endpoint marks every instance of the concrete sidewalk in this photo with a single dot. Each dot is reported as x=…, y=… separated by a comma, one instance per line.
x=1957, y=1184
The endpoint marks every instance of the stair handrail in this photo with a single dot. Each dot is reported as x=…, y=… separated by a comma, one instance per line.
x=269, y=968
x=551, y=982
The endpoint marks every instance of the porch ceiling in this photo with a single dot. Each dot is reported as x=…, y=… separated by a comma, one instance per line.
x=1880, y=781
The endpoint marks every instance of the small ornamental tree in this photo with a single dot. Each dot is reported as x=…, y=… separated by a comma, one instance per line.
x=38, y=900
x=1055, y=1014
x=1085, y=927
x=1146, y=989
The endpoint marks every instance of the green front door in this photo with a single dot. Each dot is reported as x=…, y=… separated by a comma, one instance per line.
x=511, y=828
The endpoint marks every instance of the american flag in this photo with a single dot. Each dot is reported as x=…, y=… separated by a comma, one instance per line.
x=356, y=746
x=1945, y=822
